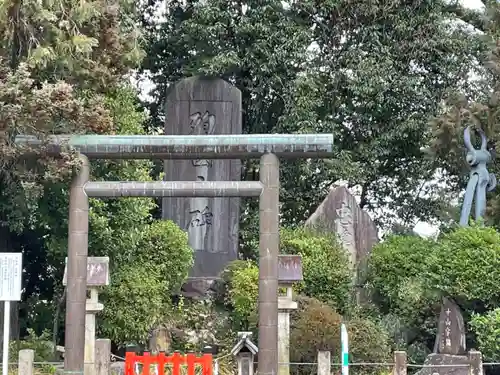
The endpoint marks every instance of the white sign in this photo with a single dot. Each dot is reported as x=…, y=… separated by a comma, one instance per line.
x=344, y=342
x=11, y=271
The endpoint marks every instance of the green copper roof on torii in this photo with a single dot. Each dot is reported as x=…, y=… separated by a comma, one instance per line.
x=245, y=146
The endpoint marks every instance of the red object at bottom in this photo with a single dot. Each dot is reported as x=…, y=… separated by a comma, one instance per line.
x=132, y=360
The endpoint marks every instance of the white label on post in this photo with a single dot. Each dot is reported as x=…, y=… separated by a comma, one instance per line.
x=11, y=270
x=344, y=341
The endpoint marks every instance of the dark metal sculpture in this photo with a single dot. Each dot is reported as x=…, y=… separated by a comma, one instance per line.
x=480, y=181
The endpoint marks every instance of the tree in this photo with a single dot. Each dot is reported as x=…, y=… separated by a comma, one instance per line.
x=462, y=109
x=149, y=259
x=58, y=60
x=62, y=70
x=377, y=74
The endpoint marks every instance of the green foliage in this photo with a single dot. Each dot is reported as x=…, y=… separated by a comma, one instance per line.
x=395, y=273
x=142, y=281
x=408, y=275
x=478, y=107
x=316, y=326
x=40, y=344
x=243, y=292
x=370, y=343
x=465, y=265
x=326, y=271
x=149, y=259
x=486, y=327
x=325, y=264
x=135, y=300
x=222, y=286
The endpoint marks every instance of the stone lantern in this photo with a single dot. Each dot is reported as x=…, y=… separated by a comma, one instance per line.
x=289, y=273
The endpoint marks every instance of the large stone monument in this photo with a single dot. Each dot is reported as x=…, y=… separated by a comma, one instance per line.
x=203, y=106
x=340, y=213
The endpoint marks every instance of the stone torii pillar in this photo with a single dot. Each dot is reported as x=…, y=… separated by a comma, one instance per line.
x=97, y=276
x=289, y=272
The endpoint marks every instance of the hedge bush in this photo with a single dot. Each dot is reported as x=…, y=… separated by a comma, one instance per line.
x=327, y=273
x=486, y=327
x=465, y=266
x=316, y=326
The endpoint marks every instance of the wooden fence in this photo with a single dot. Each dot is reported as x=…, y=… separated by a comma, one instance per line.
x=324, y=363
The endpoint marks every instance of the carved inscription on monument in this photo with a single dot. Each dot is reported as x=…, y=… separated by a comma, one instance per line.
x=202, y=106
x=200, y=218
x=344, y=224
x=451, y=329
x=200, y=213
x=202, y=124
x=447, y=330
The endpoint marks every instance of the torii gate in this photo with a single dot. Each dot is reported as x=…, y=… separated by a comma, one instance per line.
x=267, y=147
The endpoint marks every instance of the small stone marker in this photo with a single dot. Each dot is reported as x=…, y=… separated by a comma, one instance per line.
x=102, y=356
x=451, y=330
x=324, y=363
x=97, y=276
x=26, y=360
x=449, y=357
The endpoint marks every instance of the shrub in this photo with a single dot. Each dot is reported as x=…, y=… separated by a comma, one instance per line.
x=465, y=266
x=243, y=294
x=139, y=293
x=221, y=287
x=316, y=326
x=395, y=270
x=327, y=274
x=487, y=330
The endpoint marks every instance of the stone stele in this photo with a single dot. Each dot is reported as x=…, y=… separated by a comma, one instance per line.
x=340, y=213
x=451, y=330
x=449, y=349
x=204, y=106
